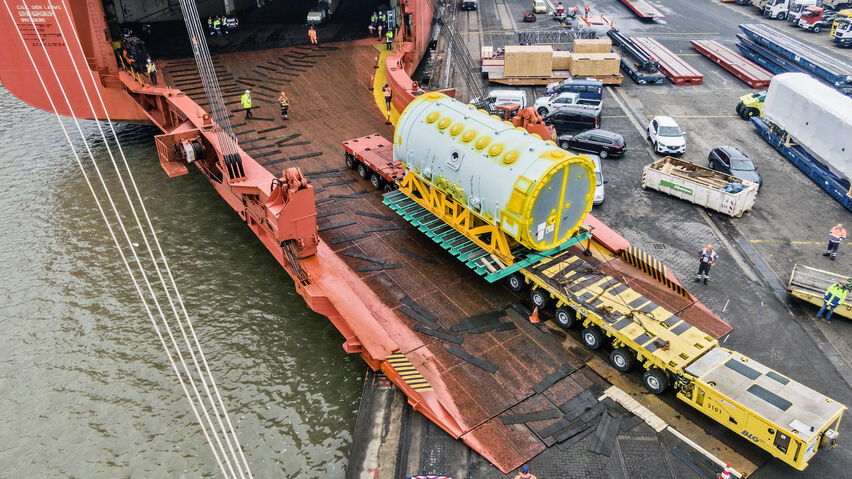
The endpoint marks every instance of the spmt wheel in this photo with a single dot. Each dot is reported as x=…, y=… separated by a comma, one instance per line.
x=539, y=299
x=621, y=359
x=389, y=187
x=363, y=171
x=591, y=337
x=515, y=282
x=655, y=380
x=376, y=181
x=350, y=161
x=564, y=318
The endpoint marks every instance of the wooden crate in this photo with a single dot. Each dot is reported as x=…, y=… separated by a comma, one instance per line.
x=528, y=60
x=592, y=64
x=596, y=45
x=561, y=60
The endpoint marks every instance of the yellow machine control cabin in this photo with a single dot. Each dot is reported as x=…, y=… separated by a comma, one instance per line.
x=782, y=416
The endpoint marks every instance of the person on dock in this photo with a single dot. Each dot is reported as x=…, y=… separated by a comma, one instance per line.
x=374, y=19
x=835, y=236
x=525, y=473
x=285, y=104
x=312, y=34
x=129, y=61
x=245, y=101
x=210, y=26
x=835, y=295
x=706, y=259
x=217, y=26
x=152, y=71
x=386, y=90
x=389, y=39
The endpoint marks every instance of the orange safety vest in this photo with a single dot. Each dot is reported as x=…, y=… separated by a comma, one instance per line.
x=312, y=34
x=838, y=232
x=387, y=91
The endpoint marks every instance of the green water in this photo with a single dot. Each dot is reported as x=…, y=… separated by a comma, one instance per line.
x=85, y=386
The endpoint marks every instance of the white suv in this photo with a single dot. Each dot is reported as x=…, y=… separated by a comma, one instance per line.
x=666, y=136
x=565, y=101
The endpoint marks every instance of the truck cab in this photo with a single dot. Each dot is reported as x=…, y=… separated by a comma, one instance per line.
x=815, y=19
x=841, y=15
x=498, y=98
x=797, y=7
x=842, y=32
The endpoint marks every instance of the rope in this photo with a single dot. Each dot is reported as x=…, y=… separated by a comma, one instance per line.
x=165, y=262
x=121, y=224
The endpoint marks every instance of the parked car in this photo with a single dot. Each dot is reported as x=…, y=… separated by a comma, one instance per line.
x=539, y=6
x=586, y=87
x=600, y=193
x=732, y=160
x=666, y=136
x=572, y=101
x=602, y=142
x=567, y=120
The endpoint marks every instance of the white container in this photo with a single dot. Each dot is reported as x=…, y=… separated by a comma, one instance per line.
x=668, y=176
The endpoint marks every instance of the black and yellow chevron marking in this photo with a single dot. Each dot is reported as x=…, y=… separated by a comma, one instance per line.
x=408, y=372
x=653, y=267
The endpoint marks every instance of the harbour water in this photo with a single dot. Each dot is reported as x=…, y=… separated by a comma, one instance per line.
x=85, y=386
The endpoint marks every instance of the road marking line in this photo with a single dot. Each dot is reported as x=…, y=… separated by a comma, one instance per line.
x=700, y=116
x=790, y=242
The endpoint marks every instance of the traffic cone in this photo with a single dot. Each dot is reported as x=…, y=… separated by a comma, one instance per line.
x=388, y=122
x=376, y=65
x=370, y=85
x=534, y=316
x=726, y=474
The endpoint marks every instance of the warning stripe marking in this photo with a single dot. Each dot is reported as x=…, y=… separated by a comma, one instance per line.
x=653, y=267
x=408, y=372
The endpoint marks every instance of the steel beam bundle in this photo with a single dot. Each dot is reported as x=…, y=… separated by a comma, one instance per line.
x=672, y=66
x=754, y=75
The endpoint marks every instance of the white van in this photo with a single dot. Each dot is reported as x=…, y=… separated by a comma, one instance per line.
x=497, y=98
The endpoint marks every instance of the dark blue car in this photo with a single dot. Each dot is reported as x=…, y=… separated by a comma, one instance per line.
x=731, y=160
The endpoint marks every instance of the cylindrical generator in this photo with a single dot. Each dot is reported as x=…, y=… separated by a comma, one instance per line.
x=529, y=188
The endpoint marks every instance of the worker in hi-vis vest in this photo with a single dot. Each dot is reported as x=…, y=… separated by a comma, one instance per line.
x=285, y=104
x=389, y=39
x=835, y=295
x=312, y=34
x=245, y=100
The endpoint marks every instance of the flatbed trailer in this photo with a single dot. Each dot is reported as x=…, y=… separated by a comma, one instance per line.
x=783, y=417
x=741, y=67
x=810, y=284
x=638, y=65
x=674, y=67
x=839, y=189
x=372, y=157
x=831, y=69
x=643, y=9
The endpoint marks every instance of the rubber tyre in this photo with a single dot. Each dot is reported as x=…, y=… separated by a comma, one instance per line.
x=542, y=111
x=740, y=107
x=655, y=381
x=782, y=16
x=389, y=187
x=565, y=318
x=744, y=114
x=363, y=171
x=657, y=148
x=603, y=154
x=350, y=161
x=564, y=145
x=592, y=338
x=816, y=29
x=750, y=112
x=621, y=359
x=376, y=181
x=539, y=298
x=712, y=165
x=515, y=282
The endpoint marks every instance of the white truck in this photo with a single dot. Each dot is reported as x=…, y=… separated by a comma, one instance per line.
x=566, y=101
x=701, y=186
x=780, y=9
x=796, y=9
